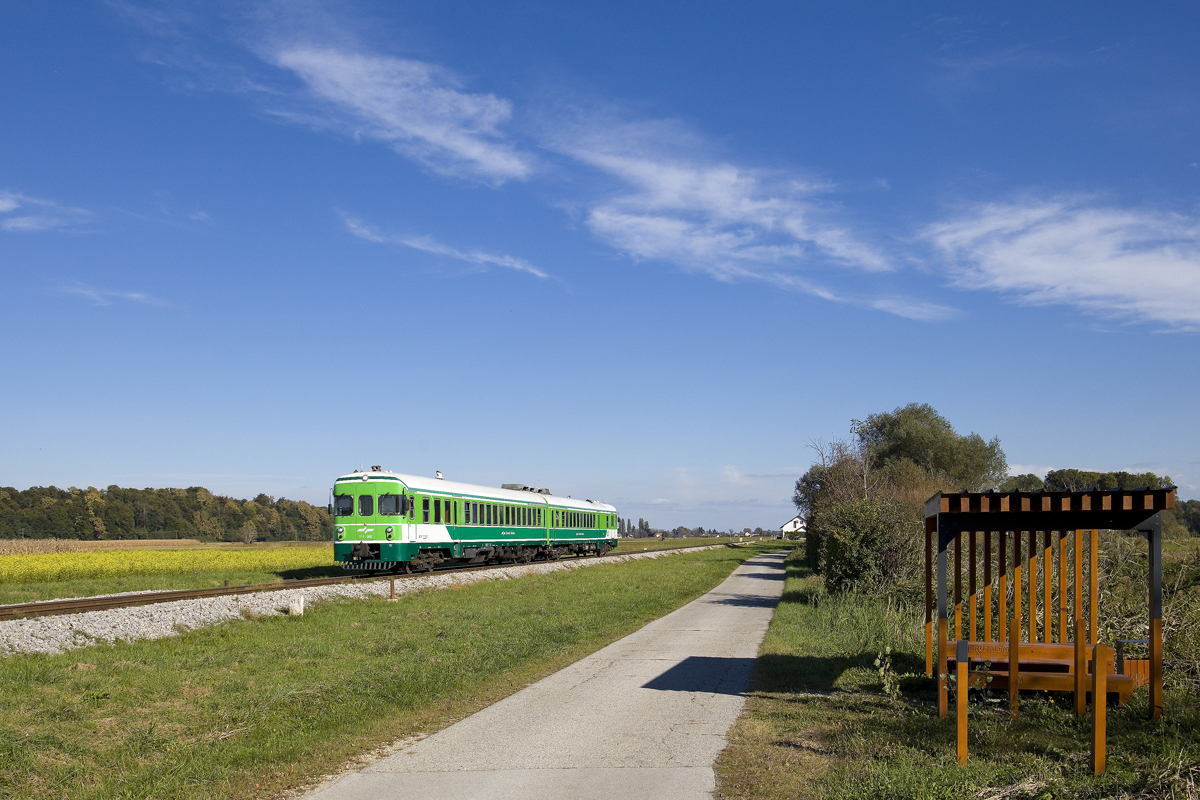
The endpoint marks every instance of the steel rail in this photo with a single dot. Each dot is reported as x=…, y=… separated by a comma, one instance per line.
x=46, y=608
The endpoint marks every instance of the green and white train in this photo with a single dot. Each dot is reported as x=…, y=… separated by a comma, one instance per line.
x=386, y=522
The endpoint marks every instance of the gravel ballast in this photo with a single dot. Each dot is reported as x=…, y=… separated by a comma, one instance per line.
x=58, y=634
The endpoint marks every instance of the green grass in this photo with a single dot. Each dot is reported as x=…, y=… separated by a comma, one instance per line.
x=818, y=724
x=253, y=707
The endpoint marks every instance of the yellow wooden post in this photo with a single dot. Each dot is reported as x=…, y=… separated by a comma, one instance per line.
x=1062, y=586
x=1093, y=629
x=943, y=667
x=1002, y=586
x=1099, y=705
x=1080, y=667
x=1014, y=665
x=1047, y=564
x=958, y=586
x=987, y=582
x=1033, y=598
x=962, y=661
x=1016, y=618
x=972, y=595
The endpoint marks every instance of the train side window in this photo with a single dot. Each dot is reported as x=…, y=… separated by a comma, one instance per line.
x=456, y=513
x=343, y=505
x=425, y=509
x=366, y=505
x=539, y=516
x=474, y=520
x=437, y=510
x=389, y=505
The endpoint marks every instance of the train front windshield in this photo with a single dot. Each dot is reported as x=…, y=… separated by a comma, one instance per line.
x=343, y=505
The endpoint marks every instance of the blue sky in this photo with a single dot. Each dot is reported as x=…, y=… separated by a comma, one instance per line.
x=639, y=252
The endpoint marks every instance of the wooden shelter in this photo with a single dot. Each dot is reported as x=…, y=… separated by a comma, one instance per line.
x=1019, y=650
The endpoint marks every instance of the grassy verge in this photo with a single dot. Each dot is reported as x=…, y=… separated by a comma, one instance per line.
x=818, y=724
x=253, y=707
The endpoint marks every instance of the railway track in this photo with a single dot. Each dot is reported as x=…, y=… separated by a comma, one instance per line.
x=47, y=608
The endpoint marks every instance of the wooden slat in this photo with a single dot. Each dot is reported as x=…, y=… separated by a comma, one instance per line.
x=1014, y=664
x=1062, y=586
x=1078, y=556
x=1016, y=581
x=1094, y=609
x=1002, y=587
x=1034, y=681
x=1080, y=667
x=943, y=666
x=958, y=586
x=1047, y=571
x=960, y=696
x=1033, y=592
x=1156, y=676
x=1099, y=709
x=987, y=585
x=972, y=595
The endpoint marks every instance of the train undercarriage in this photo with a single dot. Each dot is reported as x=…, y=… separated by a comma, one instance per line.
x=426, y=560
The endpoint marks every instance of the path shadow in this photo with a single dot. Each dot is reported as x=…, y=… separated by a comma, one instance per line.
x=706, y=674
x=747, y=601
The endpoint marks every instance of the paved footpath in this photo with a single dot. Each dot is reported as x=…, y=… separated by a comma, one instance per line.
x=643, y=718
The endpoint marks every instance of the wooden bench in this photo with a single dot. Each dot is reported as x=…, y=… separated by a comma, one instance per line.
x=1047, y=666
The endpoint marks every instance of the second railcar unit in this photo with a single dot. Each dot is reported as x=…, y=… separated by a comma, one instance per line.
x=387, y=522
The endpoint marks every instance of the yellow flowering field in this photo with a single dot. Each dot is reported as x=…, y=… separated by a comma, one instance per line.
x=43, y=567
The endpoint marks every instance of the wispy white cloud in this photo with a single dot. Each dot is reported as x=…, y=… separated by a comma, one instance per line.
x=707, y=214
x=673, y=203
x=416, y=107
x=1143, y=265
x=22, y=214
x=105, y=297
x=429, y=245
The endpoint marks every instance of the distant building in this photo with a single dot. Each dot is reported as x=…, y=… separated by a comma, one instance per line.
x=793, y=527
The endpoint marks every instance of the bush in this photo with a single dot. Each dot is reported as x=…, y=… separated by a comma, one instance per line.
x=867, y=543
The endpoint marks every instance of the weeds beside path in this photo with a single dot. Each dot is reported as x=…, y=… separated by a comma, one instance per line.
x=818, y=723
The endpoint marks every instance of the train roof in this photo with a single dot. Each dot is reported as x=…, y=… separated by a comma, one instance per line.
x=420, y=483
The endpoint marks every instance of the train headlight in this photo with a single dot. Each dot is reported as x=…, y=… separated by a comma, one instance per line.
x=389, y=532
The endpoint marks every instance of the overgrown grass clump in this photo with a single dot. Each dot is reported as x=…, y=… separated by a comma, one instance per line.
x=250, y=708
x=819, y=722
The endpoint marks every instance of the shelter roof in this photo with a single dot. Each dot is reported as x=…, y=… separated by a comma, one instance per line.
x=1119, y=509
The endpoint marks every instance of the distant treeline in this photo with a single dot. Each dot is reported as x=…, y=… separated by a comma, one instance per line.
x=192, y=513
x=625, y=527
x=1184, y=519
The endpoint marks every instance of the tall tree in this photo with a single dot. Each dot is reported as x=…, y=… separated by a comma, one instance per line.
x=919, y=434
